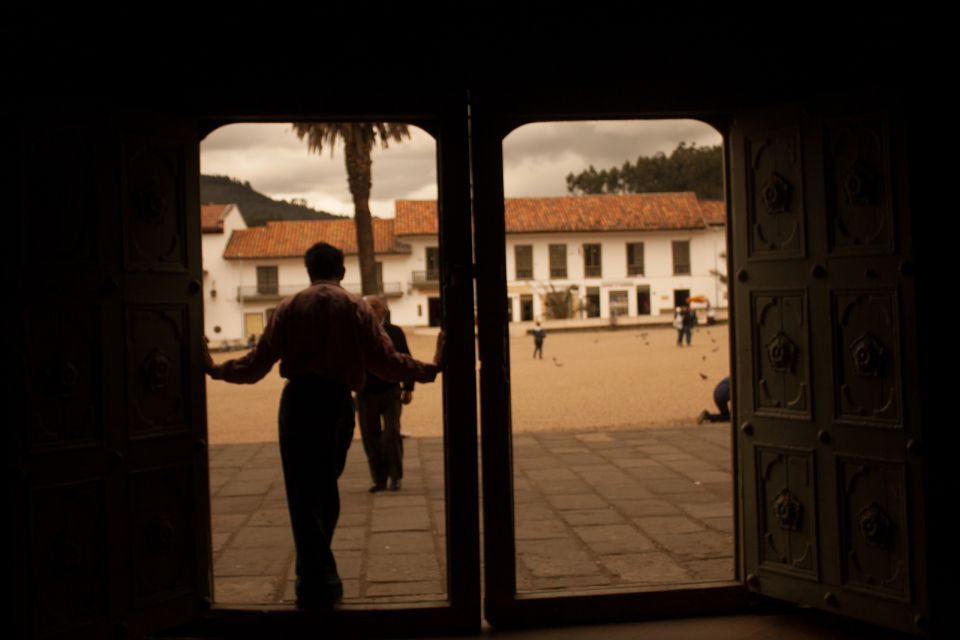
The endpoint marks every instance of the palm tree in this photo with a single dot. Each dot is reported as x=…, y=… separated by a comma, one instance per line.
x=358, y=140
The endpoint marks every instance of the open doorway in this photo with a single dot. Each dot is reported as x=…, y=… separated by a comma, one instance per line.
x=265, y=200
x=622, y=473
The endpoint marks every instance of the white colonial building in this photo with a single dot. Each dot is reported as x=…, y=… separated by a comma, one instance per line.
x=567, y=257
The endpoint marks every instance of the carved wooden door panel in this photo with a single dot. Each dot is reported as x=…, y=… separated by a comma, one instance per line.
x=826, y=411
x=112, y=486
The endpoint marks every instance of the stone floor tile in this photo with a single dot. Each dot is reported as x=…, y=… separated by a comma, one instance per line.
x=688, y=465
x=265, y=562
x=668, y=525
x=553, y=474
x=349, y=538
x=539, y=510
x=540, y=529
x=580, y=458
x=386, y=499
x=612, y=539
x=720, y=524
x=255, y=537
x=714, y=569
x=400, y=519
x=705, y=477
x=654, y=450
x=700, y=545
x=228, y=522
x=582, y=517
x=235, y=505
x=218, y=541
x=563, y=486
x=353, y=519
x=400, y=542
x=703, y=510
x=629, y=462
x=577, y=501
x=349, y=564
x=645, y=568
x=537, y=463
x=698, y=495
x=650, y=473
x=604, y=474
x=404, y=567
x=546, y=565
x=678, y=485
x=641, y=508
x=272, y=472
x=270, y=517
x=246, y=590
x=624, y=491
x=430, y=587
x=563, y=582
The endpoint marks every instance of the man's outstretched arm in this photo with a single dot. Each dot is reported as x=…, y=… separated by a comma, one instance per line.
x=244, y=370
x=381, y=358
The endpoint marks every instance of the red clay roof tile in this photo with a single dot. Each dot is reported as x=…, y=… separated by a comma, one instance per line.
x=628, y=212
x=211, y=217
x=292, y=238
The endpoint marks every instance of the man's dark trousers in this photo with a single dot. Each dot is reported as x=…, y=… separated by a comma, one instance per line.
x=316, y=426
x=383, y=444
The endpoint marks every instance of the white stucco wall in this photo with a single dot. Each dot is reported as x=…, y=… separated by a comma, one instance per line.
x=221, y=310
x=411, y=306
x=706, y=250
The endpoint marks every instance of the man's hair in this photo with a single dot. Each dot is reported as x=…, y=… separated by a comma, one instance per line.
x=324, y=262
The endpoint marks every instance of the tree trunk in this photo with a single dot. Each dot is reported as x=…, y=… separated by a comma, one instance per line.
x=358, y=176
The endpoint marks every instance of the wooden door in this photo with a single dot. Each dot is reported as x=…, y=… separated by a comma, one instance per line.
x=825, y=397
x=112, y=502
x=252, y=325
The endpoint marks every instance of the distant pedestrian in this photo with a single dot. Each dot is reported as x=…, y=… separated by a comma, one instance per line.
x=678, y=325
x=689, y=322
x=538, y=335
x=721, y=397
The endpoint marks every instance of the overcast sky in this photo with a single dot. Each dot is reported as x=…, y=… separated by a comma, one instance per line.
x=537, y=159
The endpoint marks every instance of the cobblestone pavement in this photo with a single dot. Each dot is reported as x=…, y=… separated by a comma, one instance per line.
x=594, y=509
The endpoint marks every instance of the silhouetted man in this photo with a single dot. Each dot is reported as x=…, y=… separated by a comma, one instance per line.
x=378, y=410
x=326, y=339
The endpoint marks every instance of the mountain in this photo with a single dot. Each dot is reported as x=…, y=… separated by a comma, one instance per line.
x=256, y=208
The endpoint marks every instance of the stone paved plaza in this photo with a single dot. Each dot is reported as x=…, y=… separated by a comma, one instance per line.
x=595, y=509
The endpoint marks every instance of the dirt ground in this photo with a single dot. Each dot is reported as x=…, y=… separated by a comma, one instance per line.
x=587, y=380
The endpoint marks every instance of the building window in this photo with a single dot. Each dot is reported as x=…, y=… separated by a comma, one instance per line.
x=681, y=257
x=523, y=261
x=591, y=261
x=267, y=280
x=433, y=263
x=634, y=258
x=558, y=261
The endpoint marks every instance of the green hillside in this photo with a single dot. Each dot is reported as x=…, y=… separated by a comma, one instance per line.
x=256, y=208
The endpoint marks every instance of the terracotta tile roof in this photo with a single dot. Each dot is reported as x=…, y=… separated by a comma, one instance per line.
x=211, y=217
x=628, y=212
x=292, y=238
x=714, y=211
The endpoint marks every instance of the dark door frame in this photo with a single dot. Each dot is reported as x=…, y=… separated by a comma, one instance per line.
x=441, y=115
x=494, y=118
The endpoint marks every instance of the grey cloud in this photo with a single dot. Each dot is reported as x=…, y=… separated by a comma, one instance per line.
x=537, y=158
x=603, y=143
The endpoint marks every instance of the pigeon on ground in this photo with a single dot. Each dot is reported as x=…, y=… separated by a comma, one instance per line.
x=559, y=364
x=703, y=376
